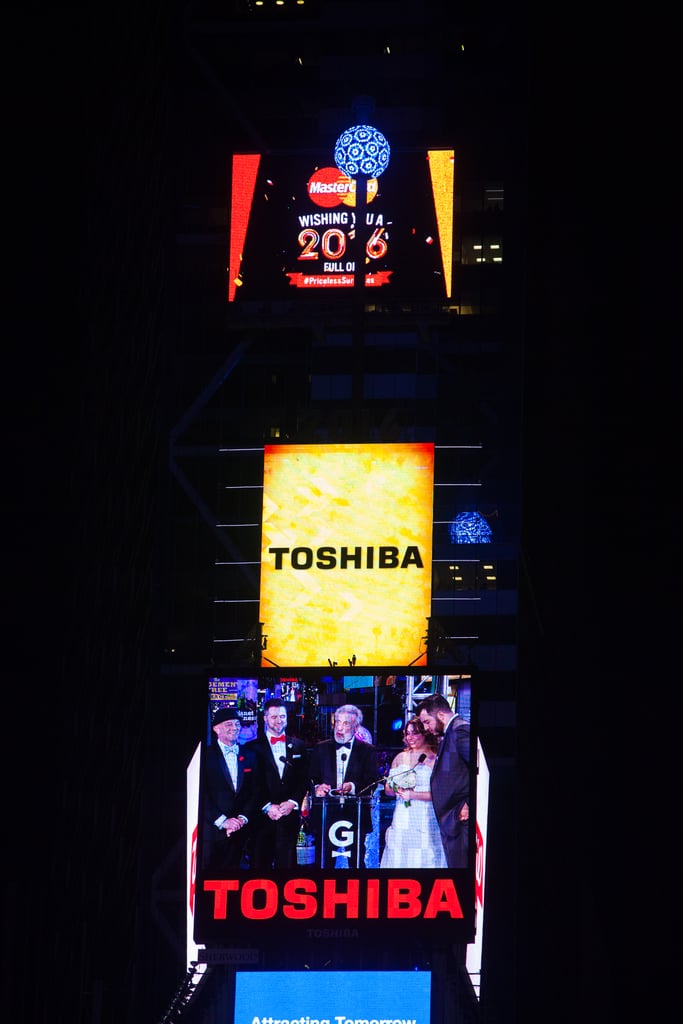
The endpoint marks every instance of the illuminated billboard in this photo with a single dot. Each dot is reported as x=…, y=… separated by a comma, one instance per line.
x=192, y=838
x=381, y=830
x=332, y=996
x=475, y=949
x=293, y=230
x=346, y=554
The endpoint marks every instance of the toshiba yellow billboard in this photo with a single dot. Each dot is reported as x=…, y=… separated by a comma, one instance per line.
x=346, y=554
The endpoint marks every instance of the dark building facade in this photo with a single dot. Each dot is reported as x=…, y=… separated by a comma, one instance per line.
x=343, y=367
x=169, y=379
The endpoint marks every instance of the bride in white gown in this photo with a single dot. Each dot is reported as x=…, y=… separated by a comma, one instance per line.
x=413, y=839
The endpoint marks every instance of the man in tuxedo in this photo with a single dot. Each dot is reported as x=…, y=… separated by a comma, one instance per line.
x=230, y=792
x=450, y=781
x=345, y=766
x=284, y=782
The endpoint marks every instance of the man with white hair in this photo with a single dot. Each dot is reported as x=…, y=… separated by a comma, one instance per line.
x=345, y=766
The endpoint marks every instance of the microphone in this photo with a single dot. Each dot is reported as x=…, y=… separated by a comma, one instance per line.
x=342, y=758
x=385, y=778
x=407, y=771
x=284, y=760
x=421, y=759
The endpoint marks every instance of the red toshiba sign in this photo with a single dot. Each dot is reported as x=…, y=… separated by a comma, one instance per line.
x=303, y=899
x=439, y=902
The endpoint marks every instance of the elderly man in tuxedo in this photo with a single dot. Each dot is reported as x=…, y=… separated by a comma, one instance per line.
x=230, y=792
x=284, y=782
x=450, y=781
x=345, y=766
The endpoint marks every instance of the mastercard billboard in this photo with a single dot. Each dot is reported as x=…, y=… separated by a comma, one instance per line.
x=346, y=554
x=294, y=230
x=329, y=187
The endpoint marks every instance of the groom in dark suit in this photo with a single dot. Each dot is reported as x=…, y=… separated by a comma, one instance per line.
x=346, y=766
x=450, y=781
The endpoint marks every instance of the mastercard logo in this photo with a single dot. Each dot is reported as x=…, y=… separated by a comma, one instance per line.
x=327, y=186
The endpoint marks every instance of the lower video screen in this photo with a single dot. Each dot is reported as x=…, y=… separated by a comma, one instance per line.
x=302, y=777
x=332, y=997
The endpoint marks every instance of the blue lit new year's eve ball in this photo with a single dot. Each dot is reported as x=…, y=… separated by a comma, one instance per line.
x=470, y=528
x=362, y=150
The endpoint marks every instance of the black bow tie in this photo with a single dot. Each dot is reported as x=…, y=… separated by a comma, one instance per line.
x=340, y=745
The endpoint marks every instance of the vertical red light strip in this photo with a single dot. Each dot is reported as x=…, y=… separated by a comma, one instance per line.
x=244, y=171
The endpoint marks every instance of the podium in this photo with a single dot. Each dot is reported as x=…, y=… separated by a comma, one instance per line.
x=340, y=825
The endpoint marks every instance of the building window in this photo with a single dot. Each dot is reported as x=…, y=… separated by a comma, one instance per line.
x=330, y=385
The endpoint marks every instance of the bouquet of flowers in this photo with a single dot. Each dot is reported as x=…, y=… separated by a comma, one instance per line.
x=403, y=780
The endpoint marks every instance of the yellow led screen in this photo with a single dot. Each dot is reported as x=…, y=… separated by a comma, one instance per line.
x=346, y=554
x=442, y=171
